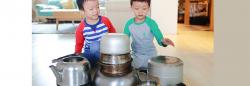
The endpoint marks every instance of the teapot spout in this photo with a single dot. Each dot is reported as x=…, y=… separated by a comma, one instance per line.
x=56, y=73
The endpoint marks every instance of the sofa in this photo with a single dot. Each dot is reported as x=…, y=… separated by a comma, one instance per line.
x=51, y=5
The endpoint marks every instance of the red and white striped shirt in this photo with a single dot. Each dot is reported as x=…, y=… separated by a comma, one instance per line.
x=86, y=33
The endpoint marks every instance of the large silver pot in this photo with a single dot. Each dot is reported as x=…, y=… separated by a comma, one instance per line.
x=148, y=83
x=115, y=43
x=130, y=79
x=72, y=71
x=168, y=69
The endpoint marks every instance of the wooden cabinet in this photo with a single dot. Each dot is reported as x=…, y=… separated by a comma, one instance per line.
x=194, y=12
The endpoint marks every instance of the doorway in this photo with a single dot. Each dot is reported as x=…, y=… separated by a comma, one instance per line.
x=195, y=12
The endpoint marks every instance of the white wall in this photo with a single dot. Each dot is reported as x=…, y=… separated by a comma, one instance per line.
x=164, y=12
x=119, y=11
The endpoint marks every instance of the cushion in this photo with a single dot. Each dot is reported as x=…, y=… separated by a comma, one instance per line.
x=68, y=4
x=55, y=3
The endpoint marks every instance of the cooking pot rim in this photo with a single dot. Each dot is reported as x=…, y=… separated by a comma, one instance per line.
x=99, y=62
x=153, y=61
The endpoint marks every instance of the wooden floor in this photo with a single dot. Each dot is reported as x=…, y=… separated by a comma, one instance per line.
x=194, y=45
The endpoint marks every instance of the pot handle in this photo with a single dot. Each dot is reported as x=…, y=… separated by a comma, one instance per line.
x=63, y=57
x=137, y=74
x=156, y=79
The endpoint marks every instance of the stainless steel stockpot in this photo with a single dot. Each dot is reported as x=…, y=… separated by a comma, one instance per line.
x=148, y=83
x=129, y=79
x=168, y=69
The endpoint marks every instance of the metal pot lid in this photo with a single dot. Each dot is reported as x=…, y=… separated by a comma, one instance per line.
x=165, y=60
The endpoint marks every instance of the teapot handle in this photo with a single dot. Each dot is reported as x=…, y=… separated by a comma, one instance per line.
x=63, y=57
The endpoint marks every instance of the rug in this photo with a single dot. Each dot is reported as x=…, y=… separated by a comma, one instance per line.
x=64, y=28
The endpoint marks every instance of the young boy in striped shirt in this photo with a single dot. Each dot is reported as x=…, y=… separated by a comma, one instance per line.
x=90, y=30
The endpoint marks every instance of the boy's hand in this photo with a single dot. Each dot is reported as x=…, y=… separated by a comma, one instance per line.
x=167, y=41
x=77, y=54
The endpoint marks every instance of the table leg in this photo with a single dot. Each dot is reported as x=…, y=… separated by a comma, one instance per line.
x=73, y=22
x=57, y=23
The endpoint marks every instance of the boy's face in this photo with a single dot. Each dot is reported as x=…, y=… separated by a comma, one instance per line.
x=140, y=9
x=91, y=9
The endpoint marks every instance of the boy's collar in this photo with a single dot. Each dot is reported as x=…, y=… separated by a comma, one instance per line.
x=99, y=20
x=146, y=18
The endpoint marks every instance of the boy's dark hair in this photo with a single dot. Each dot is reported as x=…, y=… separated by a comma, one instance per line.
x=147, y=1
x=80, y=4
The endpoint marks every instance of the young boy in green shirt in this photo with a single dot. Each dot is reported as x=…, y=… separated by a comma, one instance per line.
x=142, y=29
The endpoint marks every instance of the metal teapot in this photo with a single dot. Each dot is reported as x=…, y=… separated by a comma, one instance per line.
x=71, y=70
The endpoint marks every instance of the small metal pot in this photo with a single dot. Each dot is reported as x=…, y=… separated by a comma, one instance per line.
x=116, y=69
x=115, y=59
x=115, y=44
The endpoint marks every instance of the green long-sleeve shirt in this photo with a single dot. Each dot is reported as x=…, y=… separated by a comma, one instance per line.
x=143, y=32
x=142, y=35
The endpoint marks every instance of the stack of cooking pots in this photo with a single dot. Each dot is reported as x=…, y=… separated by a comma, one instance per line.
x=115, y=62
